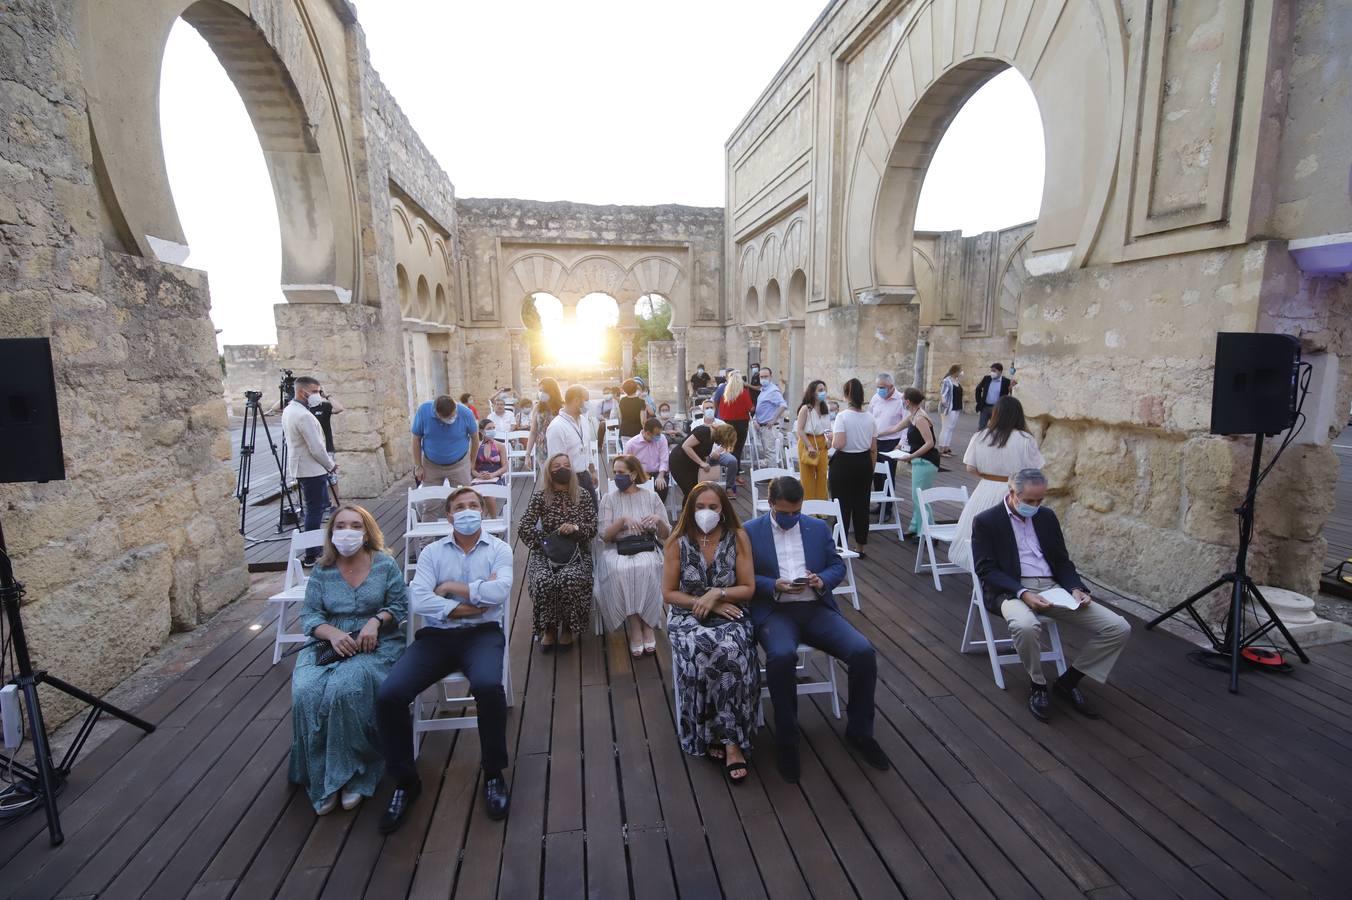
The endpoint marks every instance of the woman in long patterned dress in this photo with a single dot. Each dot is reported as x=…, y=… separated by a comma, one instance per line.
x=993, y=455
x=357, y=586
x=630, y=586
x=707, y=581
x=561, y=592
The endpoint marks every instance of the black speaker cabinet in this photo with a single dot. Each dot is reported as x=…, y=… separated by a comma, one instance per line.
x=1256, y=383
x=30, y=430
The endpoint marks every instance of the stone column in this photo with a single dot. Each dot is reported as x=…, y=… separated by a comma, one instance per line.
x=921, y=358
x=682, y=377
x=520, y=353
x=627, y=334
x=772, y=330
x=795, y=377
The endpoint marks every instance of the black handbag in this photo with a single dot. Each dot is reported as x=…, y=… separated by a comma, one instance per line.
x=632, y=545
x=559, y=549
x=326, y=654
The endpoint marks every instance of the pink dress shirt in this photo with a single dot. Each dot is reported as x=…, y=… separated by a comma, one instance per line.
x=652, y=455
x=1032, y=564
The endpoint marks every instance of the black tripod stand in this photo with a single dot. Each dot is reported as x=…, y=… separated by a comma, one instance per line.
x=253, y=414
x=44, y=781
x=1230, y=646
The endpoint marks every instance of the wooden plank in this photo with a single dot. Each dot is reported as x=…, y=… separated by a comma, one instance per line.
x=607, y=872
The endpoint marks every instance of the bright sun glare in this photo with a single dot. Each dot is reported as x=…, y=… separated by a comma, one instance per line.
x=577, y=338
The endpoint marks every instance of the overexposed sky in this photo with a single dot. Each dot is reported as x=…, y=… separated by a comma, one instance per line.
x=599, y=101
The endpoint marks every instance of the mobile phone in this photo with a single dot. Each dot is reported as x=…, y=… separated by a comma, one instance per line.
x=802, y=581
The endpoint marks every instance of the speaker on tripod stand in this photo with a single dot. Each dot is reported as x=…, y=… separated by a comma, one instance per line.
x=1258, y=390
x=30, y=450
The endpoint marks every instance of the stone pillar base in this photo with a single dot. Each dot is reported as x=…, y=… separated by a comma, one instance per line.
x=1297, y=613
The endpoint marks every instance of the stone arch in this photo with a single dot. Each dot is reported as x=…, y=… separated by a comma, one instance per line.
x=772, y=304
x=278, y=64
x=794, y=249
x=440, y=312
x=663, y=276
x=1009, y=287
x=1072, y=55
x=795, y=301
x=427, y=238
x=423, y=307
x=405, y=292
x=768, y=267
x=746, y=280
x=596, y=273
x=751, y=308
x=533, y=273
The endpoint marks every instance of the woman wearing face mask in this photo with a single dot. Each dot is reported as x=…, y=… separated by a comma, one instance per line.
x=691, y=459
x=1006, y=446
x=950, y=407
x=558, y=526
x=631, y=577
x=664, y=416
x=924, y=455
x=707, y=582
x=490, y=463
x=548, y=402
x=850, y=473
x=812, y=426
x=356, y=587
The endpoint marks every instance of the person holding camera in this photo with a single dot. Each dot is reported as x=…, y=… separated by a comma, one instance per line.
x=309, y=462
x=633, y=520
x=797, y=567
x=353, y=603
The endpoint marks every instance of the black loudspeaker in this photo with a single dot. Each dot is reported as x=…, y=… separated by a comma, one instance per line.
x=30, y=430
x=1257, y=376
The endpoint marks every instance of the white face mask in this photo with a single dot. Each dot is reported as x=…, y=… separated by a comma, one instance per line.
x=707, y=519
x=315, y=401
x=348, y=541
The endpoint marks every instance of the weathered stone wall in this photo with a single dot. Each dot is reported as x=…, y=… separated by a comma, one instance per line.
x=250, y=367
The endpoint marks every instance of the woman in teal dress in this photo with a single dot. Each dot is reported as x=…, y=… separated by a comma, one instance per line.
x=357, y=586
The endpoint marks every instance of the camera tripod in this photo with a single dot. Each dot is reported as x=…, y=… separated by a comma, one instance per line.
x=253, y=414
x=46, y=780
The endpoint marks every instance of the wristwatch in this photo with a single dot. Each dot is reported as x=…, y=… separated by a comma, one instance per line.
x=723, y=594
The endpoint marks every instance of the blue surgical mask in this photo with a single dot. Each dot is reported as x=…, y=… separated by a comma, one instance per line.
x=1026, y=510
x=882, y=392
x=623, y=481
x=821, y=395
x=786, y=520
x=467, y=521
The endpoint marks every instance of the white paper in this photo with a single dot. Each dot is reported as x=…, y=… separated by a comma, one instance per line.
x=1059, y=597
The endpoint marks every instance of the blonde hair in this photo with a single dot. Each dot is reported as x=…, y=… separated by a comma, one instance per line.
x=734, y=388
x=552, y=488
x=375, y=538
x=724, y=435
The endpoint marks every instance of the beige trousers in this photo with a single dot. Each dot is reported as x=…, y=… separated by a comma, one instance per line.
x=1109, y=633
x=457, y=473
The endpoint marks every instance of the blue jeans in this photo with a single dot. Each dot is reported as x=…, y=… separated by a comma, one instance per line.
x=731, y=466
x=817, y=625
x=435, y=653
x=314, y=494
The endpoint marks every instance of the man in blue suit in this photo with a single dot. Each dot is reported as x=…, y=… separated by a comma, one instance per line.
x=797, y=567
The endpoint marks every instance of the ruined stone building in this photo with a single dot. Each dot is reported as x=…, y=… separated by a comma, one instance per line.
x=1197, y=181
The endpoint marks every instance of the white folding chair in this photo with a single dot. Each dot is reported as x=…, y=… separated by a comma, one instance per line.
x=518, y=464
x=436, y=713
x=930, y=532
x=293, y=588
x=418, y=528
x=791, y=456
x=825, y=686
x=888, y=498
x=501, y=524
x=761, y=504
x=832, y=508
x=996, y=647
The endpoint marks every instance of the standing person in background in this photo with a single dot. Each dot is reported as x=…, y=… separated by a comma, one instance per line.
x=525, y=415
x=632, y=410
x=988, y=393
x=850, y=474
x=994, y=454
x=923, y=455
x=950, y=407
x=735, y=409
x=648, y=401
x=548, y=402
x=811, y=428
x=653, y=453
x=309, y=462
x=569, y=434
x=610, y=404
x=504, y=421
x=445, y=440
x=700, y=383
x=770, y=410
x=889, y=413
x=325, y=408
x=467, y=401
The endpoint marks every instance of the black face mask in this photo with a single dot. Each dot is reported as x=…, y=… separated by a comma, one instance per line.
x=561, y=476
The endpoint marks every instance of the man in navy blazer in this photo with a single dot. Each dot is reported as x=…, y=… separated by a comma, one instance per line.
x=1019, y=552
x=797, y=567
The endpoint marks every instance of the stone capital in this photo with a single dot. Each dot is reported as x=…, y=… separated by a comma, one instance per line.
x=772, y=326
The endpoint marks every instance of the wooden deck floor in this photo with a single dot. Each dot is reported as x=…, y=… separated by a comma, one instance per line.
x=1182, y=790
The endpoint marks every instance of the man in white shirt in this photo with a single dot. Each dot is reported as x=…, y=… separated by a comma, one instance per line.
x=308, y=460
x=570, y=433
x=504, y=420
x=890, y=413
x=460, y=589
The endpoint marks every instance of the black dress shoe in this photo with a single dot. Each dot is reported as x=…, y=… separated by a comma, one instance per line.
x=400, y=804
x=496, y=797
x=787, y=761
x=1040, y=704
x=871, y=750
x=1075, y=697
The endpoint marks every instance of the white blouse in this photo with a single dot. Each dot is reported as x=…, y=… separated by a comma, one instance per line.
x=860, y=429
